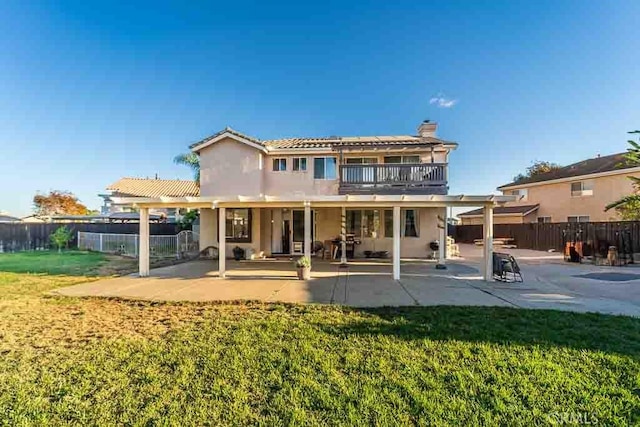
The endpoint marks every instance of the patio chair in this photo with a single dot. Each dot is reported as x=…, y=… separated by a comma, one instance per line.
x=506, y=268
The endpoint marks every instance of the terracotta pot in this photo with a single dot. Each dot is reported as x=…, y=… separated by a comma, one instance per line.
x=304, y=273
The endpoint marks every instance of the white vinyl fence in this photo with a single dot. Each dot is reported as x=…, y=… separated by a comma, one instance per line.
x=179, y=245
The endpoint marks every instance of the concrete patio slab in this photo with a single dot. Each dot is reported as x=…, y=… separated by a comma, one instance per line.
x=549, y=283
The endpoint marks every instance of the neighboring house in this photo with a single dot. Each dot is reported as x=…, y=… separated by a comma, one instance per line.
x=144, y=187
x=6, y=218
x=32, y=219
x=518, y=214
x=574, y=193
x=279, y=196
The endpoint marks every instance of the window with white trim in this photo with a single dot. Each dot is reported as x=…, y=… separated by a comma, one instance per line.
x=299, y=164
x=363, y=223
x=361, y=160
x=279, y=165
x=354, y=222
x=238, y=225
x=388, y=223
x=522, y=193
x=582, y=188
x=324, y=168
x=544, y=219
x=401, y=159
x=578, y=218
x=409, y=223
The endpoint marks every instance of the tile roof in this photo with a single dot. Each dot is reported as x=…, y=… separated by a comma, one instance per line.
x=229, y=130
x=330, y=142
x=504, y=210
x=142, y=187
x=350, y=141
x=584, y=167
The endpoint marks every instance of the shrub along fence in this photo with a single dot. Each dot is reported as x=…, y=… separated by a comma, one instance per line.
x=623, y=234
x=27, y=236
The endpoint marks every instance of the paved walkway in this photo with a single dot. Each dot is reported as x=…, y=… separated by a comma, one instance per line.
x=549, y=284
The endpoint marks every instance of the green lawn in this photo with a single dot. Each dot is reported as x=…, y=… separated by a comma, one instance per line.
x=50, y=262
x=100, y=361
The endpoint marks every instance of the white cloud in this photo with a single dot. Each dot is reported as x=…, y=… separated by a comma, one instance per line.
x=442, y=101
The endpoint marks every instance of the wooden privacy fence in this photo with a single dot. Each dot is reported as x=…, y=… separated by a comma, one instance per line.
x=35, y=236
x=542, y=237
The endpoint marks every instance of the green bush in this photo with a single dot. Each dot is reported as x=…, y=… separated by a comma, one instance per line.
x=61, y=237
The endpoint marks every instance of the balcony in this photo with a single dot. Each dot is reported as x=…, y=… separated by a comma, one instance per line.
x=423, y=178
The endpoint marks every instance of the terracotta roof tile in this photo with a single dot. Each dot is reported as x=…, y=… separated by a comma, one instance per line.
x=330, y=141
x=142, y=187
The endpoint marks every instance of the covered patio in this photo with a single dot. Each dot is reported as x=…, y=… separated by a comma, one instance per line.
x=361, y=284
x=393, y=203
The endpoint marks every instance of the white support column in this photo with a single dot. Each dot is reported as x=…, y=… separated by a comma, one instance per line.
x=307, y=230
x=222, y=242
x=442, y=247
x=488, y=243
x=143, y=253
x=396, y=243
x=343, y=236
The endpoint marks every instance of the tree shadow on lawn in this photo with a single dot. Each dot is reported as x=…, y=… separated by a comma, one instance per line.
x=500, y=325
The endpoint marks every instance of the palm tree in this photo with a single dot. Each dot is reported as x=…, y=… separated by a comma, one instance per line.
x=629, y=205
x=191, y=160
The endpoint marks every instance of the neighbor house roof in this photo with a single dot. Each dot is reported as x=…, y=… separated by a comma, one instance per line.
x=602, y=164
x=8, y=218
x=329, y=142
x=142, y=187
x=522, y=210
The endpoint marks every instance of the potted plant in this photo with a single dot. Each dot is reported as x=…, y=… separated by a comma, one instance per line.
x=303, y=267
x=238, y=253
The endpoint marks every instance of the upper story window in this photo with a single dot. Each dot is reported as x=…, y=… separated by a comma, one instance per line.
x=544, y=219
x=402, y=159
x=279, y=164
x=578, y=218
x=299, y=164
x=582, y=188
x=523, y=193
x=324, y=168
x=361, y=160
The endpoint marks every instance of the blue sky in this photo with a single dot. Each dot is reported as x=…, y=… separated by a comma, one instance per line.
x=90, y=93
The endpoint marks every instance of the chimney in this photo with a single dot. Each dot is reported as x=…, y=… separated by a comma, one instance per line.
x=427, y=128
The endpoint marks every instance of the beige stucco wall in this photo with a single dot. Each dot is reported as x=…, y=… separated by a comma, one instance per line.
x=209, y=231
x=208, y=228
x=290, y=183
x=231, y=168
x=328, y=228
x=556, y=201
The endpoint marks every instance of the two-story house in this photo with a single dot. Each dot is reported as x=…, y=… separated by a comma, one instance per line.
x=575, y=193
x=388, y=193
